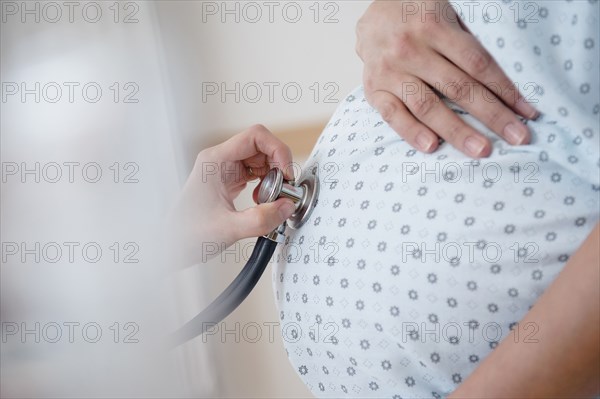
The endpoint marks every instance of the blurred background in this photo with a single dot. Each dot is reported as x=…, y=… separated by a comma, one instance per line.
x=104, y=108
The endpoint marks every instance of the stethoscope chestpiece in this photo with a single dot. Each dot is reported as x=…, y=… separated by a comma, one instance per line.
x=304, y=193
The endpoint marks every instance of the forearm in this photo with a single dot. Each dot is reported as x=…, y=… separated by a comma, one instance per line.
x=564, y=362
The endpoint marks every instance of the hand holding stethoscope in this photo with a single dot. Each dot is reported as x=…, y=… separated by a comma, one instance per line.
x=205, y=211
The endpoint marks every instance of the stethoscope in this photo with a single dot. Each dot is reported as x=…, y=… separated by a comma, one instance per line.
x=304, y=192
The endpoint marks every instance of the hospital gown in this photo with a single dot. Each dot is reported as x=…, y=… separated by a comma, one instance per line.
x=413, y=267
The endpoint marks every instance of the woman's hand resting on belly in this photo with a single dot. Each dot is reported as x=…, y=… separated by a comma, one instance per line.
x=410, y=47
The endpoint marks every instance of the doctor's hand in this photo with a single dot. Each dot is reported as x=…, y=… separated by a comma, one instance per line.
x=407, y=50
x=205, y=212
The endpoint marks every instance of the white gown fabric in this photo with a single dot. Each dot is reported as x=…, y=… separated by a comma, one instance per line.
x=413, y=267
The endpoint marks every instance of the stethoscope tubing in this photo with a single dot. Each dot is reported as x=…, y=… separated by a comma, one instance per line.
x=231, y=297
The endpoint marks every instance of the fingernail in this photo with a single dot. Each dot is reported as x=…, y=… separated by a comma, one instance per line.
x=424, y=142
x=526, y=109
x=286, y=209
x=474, y=145
x=289, y=172
x=516, y=133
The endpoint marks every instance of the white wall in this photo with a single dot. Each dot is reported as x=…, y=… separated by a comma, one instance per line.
x=202, y=50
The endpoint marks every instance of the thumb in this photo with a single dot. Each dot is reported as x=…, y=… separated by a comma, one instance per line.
x=263, y=218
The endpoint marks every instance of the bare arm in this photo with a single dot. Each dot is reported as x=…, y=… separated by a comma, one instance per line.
x=565, y=362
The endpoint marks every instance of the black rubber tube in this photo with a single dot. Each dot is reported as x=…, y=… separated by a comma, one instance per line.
x=233, y=295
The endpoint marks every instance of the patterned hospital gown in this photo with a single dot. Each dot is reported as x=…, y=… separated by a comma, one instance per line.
x=413, y=267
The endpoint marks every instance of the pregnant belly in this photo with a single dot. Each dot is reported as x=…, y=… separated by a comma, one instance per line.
x=413, y=267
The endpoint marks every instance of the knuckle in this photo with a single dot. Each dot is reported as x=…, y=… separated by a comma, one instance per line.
x=456, y=91
x=360, y=32
x=369, y=83
x=453, y=133
x=361, y=25
x=403, y=47
x=509, y=93
x=463, y=92
x=422, y=105
x=477, y=61
x=387, y=110
x=495, y=91
x=493, y=118
x=258, y=129
x=259, y=132
x=428, y=26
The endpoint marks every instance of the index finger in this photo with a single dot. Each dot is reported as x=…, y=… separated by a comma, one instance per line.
x=466, y=52
x=254, y=141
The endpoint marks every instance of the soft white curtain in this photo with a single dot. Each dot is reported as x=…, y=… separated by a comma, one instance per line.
x=91, y=159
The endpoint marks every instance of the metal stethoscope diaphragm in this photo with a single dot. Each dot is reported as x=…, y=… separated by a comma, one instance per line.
x=304, y=192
